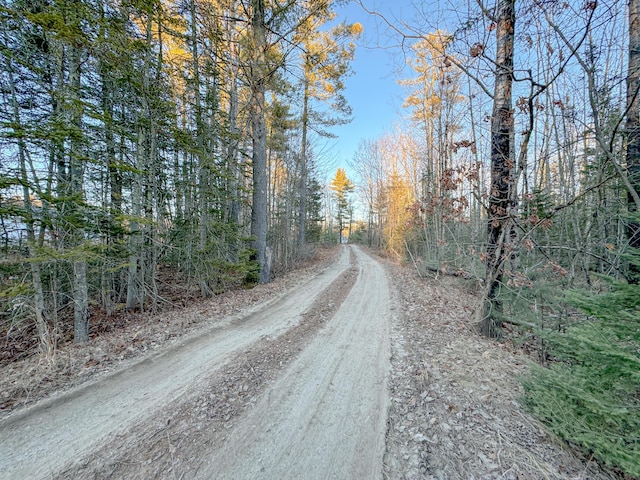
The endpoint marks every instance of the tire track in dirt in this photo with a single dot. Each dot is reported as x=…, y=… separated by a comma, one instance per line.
x=175, y=441
x=326, y=416
x=41, y=440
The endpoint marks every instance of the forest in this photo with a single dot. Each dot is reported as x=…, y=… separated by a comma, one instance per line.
x=146, y=140
x=155, y=151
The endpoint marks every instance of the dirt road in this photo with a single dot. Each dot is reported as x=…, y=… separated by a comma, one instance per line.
x=324, y=417
x=355, y=371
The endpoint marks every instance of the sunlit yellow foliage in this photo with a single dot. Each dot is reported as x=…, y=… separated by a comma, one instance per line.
x=326, y=54
x=341, y=186
x=397, y=186
x=399, y=198
x=356, y=29
x=437, y=78
x=279, y=175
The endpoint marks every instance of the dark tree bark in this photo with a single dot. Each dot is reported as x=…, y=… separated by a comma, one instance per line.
x=259, y=139
x=502, y=167
x=633, y=131
x=44, y=335
x=76, y=186
x=302, y=212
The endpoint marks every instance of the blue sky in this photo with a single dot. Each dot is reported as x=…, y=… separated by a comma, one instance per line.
x=372, y=91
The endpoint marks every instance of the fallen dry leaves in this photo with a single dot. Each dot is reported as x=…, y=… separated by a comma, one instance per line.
x=133, y=335
x=454, y=409
x=455, y=397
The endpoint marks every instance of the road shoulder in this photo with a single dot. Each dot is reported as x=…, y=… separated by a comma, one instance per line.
x=455, y=397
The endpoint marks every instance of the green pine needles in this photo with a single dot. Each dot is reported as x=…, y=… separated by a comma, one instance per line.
x=590, y=394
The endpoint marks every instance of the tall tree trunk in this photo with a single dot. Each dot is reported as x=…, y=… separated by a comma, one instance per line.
x=76, y=173
x=502, y=165
x=203, y=158
x=152, y=212
x=44, y=335
x=80, y=302
x=110, y=275
x=234, y=175
x=133, y=282
x=633, y=131
x=259, y=139
x=302, y=212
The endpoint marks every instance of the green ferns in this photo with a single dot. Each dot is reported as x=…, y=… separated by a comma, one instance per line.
x=590, y=395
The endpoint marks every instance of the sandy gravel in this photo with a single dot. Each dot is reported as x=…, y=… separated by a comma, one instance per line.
x=362, y=371
x=40, y=441
x=325, y=417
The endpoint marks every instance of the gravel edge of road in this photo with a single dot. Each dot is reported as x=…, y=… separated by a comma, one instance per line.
x=34, y=379
x=174, y=445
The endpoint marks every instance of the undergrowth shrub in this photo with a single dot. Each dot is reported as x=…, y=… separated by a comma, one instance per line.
x=589, y=394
